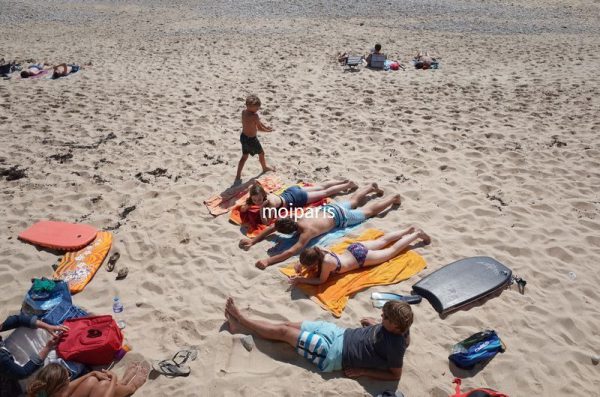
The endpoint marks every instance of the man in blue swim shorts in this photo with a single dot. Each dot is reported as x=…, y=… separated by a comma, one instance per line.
x=325, y=218
x=375, y=350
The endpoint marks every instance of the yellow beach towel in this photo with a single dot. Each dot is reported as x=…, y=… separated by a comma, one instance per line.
x=333, y=295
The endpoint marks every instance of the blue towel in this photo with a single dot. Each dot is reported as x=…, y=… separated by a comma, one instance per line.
x=283, y=243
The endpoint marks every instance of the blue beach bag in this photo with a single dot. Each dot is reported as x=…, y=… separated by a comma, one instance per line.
x=477, y=348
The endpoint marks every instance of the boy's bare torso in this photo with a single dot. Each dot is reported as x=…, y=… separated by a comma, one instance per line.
x=249, y=123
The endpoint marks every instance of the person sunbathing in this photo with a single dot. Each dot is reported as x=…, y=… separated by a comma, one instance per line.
x=323, y=220
x=357, y=255
x=64, y=69
x=424, y=61
x=53, y=381
x=33, y=70
x=375, y=350
x=292, y=197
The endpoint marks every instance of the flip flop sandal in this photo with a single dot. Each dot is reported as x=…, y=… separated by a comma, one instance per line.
x=169, y=368
x=123, y=272
x=185, y=355
x=112, y=261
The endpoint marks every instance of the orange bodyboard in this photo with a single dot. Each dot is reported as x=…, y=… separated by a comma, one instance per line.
x=61, y=236
x=78, y=268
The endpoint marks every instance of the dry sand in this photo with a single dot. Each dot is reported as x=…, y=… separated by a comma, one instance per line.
x=497, y=153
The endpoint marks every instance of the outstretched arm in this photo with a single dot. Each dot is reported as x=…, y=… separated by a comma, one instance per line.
x=246, y=243
x=263, y=263
x=295, y=280
x=261, y=127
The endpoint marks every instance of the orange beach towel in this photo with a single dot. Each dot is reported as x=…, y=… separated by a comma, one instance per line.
x=221, y=203
x=333, y=295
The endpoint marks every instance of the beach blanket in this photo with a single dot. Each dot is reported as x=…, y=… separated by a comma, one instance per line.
x=250, y=219
x=78, y=268
x=333, y=295
x=222, y=203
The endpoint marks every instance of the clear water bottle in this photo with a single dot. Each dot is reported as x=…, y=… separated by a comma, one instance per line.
x=118, y=310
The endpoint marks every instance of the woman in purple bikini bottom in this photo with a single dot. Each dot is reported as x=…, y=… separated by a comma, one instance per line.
x=357, y=255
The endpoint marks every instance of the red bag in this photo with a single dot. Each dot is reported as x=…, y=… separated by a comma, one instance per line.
x=482, y=392
x=90, y=340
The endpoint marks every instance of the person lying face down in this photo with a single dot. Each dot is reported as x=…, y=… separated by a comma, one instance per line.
x=292, y=197
x=329, y=217
x=375, y=350
x=357, y=255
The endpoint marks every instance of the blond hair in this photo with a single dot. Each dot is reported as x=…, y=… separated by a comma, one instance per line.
x=399, y=313
x=252, y=100
x=50, y=380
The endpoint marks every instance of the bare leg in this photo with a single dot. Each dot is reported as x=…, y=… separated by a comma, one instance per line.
x=241, y=166
x=375, y=207
x=377, y=257
x=279, y=332
x=387, y=239
x=85, y=388
x=263, y=163
x=359, y=196
x=120, y=390
x=325, y=185
x=317, y=195
x=293, y=325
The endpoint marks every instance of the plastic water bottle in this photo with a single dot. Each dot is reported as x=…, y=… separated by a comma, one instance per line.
x=117, y=310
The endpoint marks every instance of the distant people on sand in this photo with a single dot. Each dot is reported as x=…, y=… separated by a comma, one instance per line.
x=53, y=381
x=33, y=70
x=60, y=70
x=357, y=255
x=64, y=69
x=326, y=218
x=425, y=61
x=378, y=55
x=376, y=350
x=293, y=197
x=10, y=371
x=251, y=124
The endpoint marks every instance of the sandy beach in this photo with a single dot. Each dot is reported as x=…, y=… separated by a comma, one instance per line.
x=496, y=153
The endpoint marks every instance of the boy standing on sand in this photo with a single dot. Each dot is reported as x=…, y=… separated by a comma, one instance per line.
x=251, y=124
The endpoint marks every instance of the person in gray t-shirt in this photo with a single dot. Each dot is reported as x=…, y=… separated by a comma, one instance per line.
x=375, y=350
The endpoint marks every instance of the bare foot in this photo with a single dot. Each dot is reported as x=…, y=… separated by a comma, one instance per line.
x=267, y=169
x=397, y=199
x=375, y=188
x=424, y=236
x=352, y=186
x=130, y=372
x=412, y=229
x=232, y=315
x=143, y=369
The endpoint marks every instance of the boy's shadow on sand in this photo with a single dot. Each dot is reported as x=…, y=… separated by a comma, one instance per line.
x=284, y=353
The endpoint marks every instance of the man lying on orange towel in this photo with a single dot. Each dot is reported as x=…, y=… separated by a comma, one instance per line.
x=262, y=208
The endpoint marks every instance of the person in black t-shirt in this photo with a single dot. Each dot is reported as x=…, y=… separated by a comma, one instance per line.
x=376, y=350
